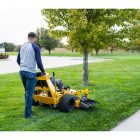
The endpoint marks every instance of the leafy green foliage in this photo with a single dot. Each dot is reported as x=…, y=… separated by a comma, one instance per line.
x=46, y=41
x=17, y=48
x=79, y=27
x=130, y=31
x=9, y=47
x=89, y=29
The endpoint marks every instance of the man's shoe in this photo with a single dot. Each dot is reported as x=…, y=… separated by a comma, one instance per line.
x=28, y=117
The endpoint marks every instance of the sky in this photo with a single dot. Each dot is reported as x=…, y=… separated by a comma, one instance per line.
x=15, y=24
x=19, y=17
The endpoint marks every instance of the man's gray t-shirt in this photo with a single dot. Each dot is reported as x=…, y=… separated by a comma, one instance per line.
x=28, y=57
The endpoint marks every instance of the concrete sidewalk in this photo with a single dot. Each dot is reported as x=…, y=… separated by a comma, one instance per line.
x=130, y=124
x=10, y=65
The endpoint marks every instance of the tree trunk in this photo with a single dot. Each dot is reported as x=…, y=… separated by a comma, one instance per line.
x=132, y=51
x=49, y=52
x=112, y=49
x=85, y=69
x=97, y=51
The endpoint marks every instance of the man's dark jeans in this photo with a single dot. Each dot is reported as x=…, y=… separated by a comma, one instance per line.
x=29, y=83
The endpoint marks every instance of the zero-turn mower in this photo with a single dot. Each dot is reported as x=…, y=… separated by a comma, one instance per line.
x=52, y=92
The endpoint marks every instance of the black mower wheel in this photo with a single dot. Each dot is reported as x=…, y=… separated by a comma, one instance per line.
x=34, y=103
x=67, y=103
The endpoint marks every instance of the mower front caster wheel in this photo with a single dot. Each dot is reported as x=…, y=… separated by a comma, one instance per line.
x=67, y=103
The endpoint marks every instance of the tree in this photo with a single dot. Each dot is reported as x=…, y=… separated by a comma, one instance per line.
x=133, y=35
x=9, y=47
x=46, y=41
x=128, y=35
x=87, y=29
x=17, y=48
x=80, y=33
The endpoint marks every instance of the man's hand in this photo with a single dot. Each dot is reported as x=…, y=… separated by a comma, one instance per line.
x=43, y=74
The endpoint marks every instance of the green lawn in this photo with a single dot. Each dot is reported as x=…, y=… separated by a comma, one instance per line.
x=102, y=54
x=118, y=55
x=55, y=53
x=117, y=89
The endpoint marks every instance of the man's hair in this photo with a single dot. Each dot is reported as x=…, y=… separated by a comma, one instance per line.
x=31, y=34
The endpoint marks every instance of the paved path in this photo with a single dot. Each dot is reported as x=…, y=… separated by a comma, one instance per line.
x=130, y=124
x=10, y=65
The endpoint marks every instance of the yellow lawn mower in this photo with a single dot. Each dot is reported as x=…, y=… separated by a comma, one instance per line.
x=52, y=92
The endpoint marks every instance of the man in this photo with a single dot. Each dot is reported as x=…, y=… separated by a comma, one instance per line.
x=28, y=56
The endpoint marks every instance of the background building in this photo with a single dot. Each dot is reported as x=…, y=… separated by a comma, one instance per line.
x=2, y=49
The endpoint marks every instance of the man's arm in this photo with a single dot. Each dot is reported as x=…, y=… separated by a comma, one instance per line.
x=38, y=58
x=18, y=58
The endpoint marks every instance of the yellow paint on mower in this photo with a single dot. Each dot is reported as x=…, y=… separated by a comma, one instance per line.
x=65, y=99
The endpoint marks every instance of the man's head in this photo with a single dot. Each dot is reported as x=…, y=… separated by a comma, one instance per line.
x=32, y=37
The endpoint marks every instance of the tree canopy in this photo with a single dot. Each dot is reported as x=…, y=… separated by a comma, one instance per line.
x=9, y=47
x=92, y=29
x=45, y=41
